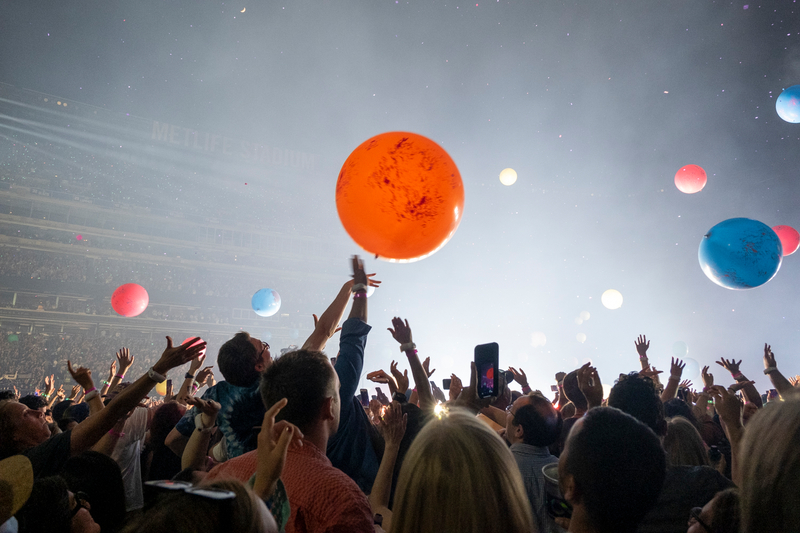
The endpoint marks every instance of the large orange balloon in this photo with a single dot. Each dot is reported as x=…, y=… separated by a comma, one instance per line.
x=400, y=196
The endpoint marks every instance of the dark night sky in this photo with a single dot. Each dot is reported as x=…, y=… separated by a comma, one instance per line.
x=596, y=105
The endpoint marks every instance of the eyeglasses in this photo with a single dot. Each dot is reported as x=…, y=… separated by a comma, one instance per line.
x=694, y=514
x=210, y=493
x=81, y=499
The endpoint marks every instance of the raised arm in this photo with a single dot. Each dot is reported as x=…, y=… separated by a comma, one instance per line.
x=194, y=455
x=642, y=344
x=748, y=388
x=730, y=414
x=328, y=323
x=188, y=389
x=83, y=377
x=590, y=385
x=91, y=430
x=675, y=373
x=392, y=426
x=780, y=383
x=402, y=334
x=125, y=362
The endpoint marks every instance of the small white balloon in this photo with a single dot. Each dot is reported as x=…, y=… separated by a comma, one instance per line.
x=538, y=339
x=579, y=321
x=508, y=176
x=370, y=290
x=585, y=315
x=581, y=337
x=612, y=299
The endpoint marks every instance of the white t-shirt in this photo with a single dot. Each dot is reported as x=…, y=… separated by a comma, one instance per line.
x=127, y=455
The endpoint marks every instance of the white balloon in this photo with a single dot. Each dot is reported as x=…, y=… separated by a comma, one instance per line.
x=585, y=315
x=538, y=339
x=581, y=337
x=508, y=176
x=612, y=299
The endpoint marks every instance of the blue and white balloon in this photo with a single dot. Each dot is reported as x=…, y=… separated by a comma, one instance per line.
x=266, y=302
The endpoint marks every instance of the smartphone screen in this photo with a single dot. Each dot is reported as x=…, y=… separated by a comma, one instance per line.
x=554, y=388
x=446, y=383
x=487, y=363
x=364, y=398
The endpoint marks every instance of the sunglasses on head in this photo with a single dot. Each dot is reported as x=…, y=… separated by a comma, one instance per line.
x=210, y=493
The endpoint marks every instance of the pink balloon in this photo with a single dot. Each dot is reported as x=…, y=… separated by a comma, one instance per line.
x=79, y=237
x=790, y=239
x=202, y=352
x=130, y=299
x=690, y=179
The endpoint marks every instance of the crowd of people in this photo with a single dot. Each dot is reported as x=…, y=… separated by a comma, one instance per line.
x=287, y=443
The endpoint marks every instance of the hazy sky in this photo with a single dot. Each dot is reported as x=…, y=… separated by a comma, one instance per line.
x=595, y=104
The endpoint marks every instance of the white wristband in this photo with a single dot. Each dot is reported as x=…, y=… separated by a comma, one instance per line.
x=91, y=395
x=358, y=287
x=407, y=346
x=198, y=423
x=155, y=376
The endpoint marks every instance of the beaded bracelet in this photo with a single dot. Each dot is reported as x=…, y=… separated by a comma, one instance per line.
x=106, y=382
x=120, y=376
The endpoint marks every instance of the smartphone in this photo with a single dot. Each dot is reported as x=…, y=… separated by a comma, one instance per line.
x=487, y=362
x=364, y=397
x=446, y=383
x=169, y=384
x=554, y=388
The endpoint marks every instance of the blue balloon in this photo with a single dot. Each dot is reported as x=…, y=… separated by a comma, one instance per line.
x=788, y=104
x=266, y=302
x=740, y=253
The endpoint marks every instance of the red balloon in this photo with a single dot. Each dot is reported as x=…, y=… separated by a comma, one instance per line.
x=130, y=300
x=202, y=352
x=399, y=196
x=790, y=239
x=690, y=179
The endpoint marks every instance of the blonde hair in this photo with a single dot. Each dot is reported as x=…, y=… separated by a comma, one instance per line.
x=460, y=476
x=770, y=457
x=683, y=443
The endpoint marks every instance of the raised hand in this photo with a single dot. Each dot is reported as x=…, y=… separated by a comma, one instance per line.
x=175, y=356
x=469, y=397
x=380, y=376
x=676, y=368
x=590, y=385
x=401, y=331
x=82, y=376
x=273, y=444
x=49, y=384
x=400, y=379
x=642, y=344
x=60, y=393
x=651, y=373
x=316, y=319
x=125, y=360
x=393, y=424
x=359, y=276
x=382, y=397
x=708, y=378
x=197, y=362
x=792, y=380
x=76, y=389
x=686, y=384
x=112, y=371
x=438, y=395
x=727, y=405
x=769, y=357
x=425, y=364
x=731, y=366
x=204, y=374
x=208, y=408
x=455, y=387
x=519, y=376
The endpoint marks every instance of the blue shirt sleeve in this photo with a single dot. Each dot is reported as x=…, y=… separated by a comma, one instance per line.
x=185, y=425
x=350, y=362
